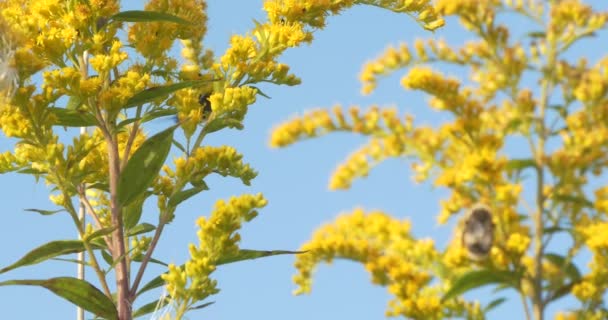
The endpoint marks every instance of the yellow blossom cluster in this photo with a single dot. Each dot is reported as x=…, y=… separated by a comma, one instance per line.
x=223, y=160
x=154, y=39
x=393, y=258
x=314, y=12
x=471, y=153
x=218, y=238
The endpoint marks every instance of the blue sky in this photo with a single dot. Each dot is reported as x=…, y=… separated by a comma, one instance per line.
x=294, y=180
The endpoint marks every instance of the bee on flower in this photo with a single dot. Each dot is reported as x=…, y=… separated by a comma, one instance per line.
x=478, y=232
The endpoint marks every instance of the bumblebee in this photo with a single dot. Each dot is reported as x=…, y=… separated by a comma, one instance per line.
x=478, y=232
x=203, y=100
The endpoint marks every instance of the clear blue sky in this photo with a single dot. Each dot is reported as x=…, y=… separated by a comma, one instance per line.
x=294, y=180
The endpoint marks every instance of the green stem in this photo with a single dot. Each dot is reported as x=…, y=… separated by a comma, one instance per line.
x=87, y=246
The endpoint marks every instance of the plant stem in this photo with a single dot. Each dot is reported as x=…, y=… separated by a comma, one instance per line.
x=547, y=84
x=146, y=259
x=87, y=246
x=525, y=304
x=118, y=252
x=80, y=271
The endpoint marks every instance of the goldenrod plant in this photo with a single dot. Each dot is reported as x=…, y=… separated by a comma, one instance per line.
x=528, y=89
x=66, y=64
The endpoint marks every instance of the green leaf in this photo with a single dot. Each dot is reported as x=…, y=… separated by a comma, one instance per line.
x=107, y=257
x=140, y=258
x=44, y=212
x=184, y=195
x=536, y=34
x=179, y=146
x=149, y=116
x=555, y=229
x=244, y=254
x=147, y=16
x=72, y=118
x=76, y=261
x=144, y=165
x=140, y=228
x=31, y=171
x=100, y=233
x=569, y=267
x=520, y=164
x=132, y=213
x=494, y=303
x=100, y=186
x=151, y=307
x=78, y=292
x=151, y=94
x=47, y=251
x=73, y=103
x=260, y=92
x=479, y=278
x=580, y=200
x=200, y=306
x=221, y=123
x=562, y=291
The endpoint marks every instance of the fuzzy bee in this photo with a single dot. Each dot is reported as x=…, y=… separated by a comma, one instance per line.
x=203, y=100
x=478, y=232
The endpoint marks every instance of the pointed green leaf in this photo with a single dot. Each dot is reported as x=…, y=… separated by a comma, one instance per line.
x=260, y=92
x=200, y=306
x=562, y=291
x=149, y=116
x=144, y=165
x=479, y=278
x=140, y=228
x=140, y=258
x=520, y=164
x=494, y=303
x=47, y=251
x=78, y=292
x=76, y=261
x=31, y=171
x=151, y=307
x=569, y=267
x=147, y=16
x=100, y=233
x=152, y=284
x=107, y=257
x=179, y=146
x=72, y=118
x=244, y=254
x=132, y=212
x=100, y=186
x=221, y=123
x=151, y=94
x=184, y=195
x=73, y=103
x=555, y=230
x=44, y=212
x=536, y=34
x=580, y=200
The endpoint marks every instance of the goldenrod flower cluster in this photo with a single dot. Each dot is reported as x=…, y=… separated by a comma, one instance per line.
x=314, y=12
x=223, y=160
x=391, y=255
x=470, y=154
x=154, y=39
x=218, y=238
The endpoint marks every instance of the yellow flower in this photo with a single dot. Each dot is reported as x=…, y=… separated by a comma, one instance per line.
x=518, y=243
